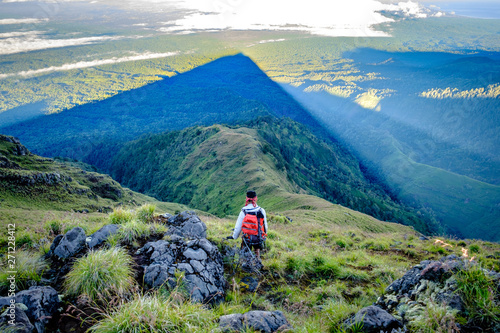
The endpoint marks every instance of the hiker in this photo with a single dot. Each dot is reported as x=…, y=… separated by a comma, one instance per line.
x=250, y=217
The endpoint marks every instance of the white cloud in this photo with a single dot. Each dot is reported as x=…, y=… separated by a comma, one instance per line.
x=87, y=64
x=331, y=18
x=20, y=34
x=22, y=21
x=33, y=40
x=410, y=9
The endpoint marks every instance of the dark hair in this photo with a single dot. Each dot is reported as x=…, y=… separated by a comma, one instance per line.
x=251, y=194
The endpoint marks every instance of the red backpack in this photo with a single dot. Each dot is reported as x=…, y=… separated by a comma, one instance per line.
x=253, y=224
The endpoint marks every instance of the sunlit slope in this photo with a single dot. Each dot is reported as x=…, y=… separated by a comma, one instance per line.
x=210, y=168
x=423, y=115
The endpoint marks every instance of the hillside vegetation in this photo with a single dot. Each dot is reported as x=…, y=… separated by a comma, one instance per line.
x=228, y=90
x=322, y=262
x=35, y=190
x=210, y=168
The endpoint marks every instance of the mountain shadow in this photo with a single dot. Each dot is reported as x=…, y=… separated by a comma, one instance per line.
x=228, y=90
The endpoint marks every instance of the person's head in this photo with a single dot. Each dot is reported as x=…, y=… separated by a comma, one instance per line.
x=251, y=198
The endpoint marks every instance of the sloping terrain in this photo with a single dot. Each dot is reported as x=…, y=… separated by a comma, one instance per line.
x=33, y=188
x=228, y=90
x=210, y=168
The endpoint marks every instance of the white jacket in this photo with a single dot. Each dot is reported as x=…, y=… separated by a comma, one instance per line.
x=239, y=222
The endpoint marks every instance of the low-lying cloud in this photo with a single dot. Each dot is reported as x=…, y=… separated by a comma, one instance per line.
x=87, y=64
x=16, y=42
x=21, y=21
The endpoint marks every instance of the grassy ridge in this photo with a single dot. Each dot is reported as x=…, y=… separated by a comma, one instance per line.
x=210, y=168
x=35, y=190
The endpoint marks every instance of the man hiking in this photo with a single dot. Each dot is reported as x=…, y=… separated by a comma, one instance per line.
x=252, y=221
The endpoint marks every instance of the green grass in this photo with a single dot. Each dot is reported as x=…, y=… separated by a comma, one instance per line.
x=133, y=231
x=478, y=292
x=435, y=318
x=145, y=213
x=156, y=314
x=101, y=275
x=29, y=268
x=121, y=216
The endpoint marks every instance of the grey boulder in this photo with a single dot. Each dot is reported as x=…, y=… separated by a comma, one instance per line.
x=68, y=245
x=100, y=236
x=42, y=304
x=262, y=321
x=375, y=319
x=188, y=225
x=15, y=320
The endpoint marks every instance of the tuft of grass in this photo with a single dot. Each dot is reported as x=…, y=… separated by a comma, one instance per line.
x=474, y=248
x=24, y=240
x=121, y=216
x=435, y=319
x=337, y=312
x=478, y=293
x=29, y=268
x=54, y=227
x=132, y=231
x=153, y=313
x=145, y=213
x=101, y=274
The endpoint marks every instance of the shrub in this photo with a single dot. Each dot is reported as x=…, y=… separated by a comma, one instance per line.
x=474, y=248
x=145, y=213
x=101, y=274
x=29, y=270
x=155, y=314
x=120, y=216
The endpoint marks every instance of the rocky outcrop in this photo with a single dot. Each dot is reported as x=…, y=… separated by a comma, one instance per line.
x=100, y=236
x=186, y=224
x=200, y=261
x=19, y=149
x=38, y=304
x=260, y=321
x=64, y=247
x=187, y=251
x=14, y=319
x=429, y=282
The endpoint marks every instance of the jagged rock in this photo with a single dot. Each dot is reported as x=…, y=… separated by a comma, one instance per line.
x=430, y=282
x=14, y=319
x=8, y=164
x=20, y=150
x=249, y=262
x=100, y=236
x=42, y=303
x=262, y=321
x=376, y=320
x=199, y=259
x=187, y=224
x=68, y=245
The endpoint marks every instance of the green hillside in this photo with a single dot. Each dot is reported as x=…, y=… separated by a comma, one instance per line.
x=35, y=189
x=210, y=168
